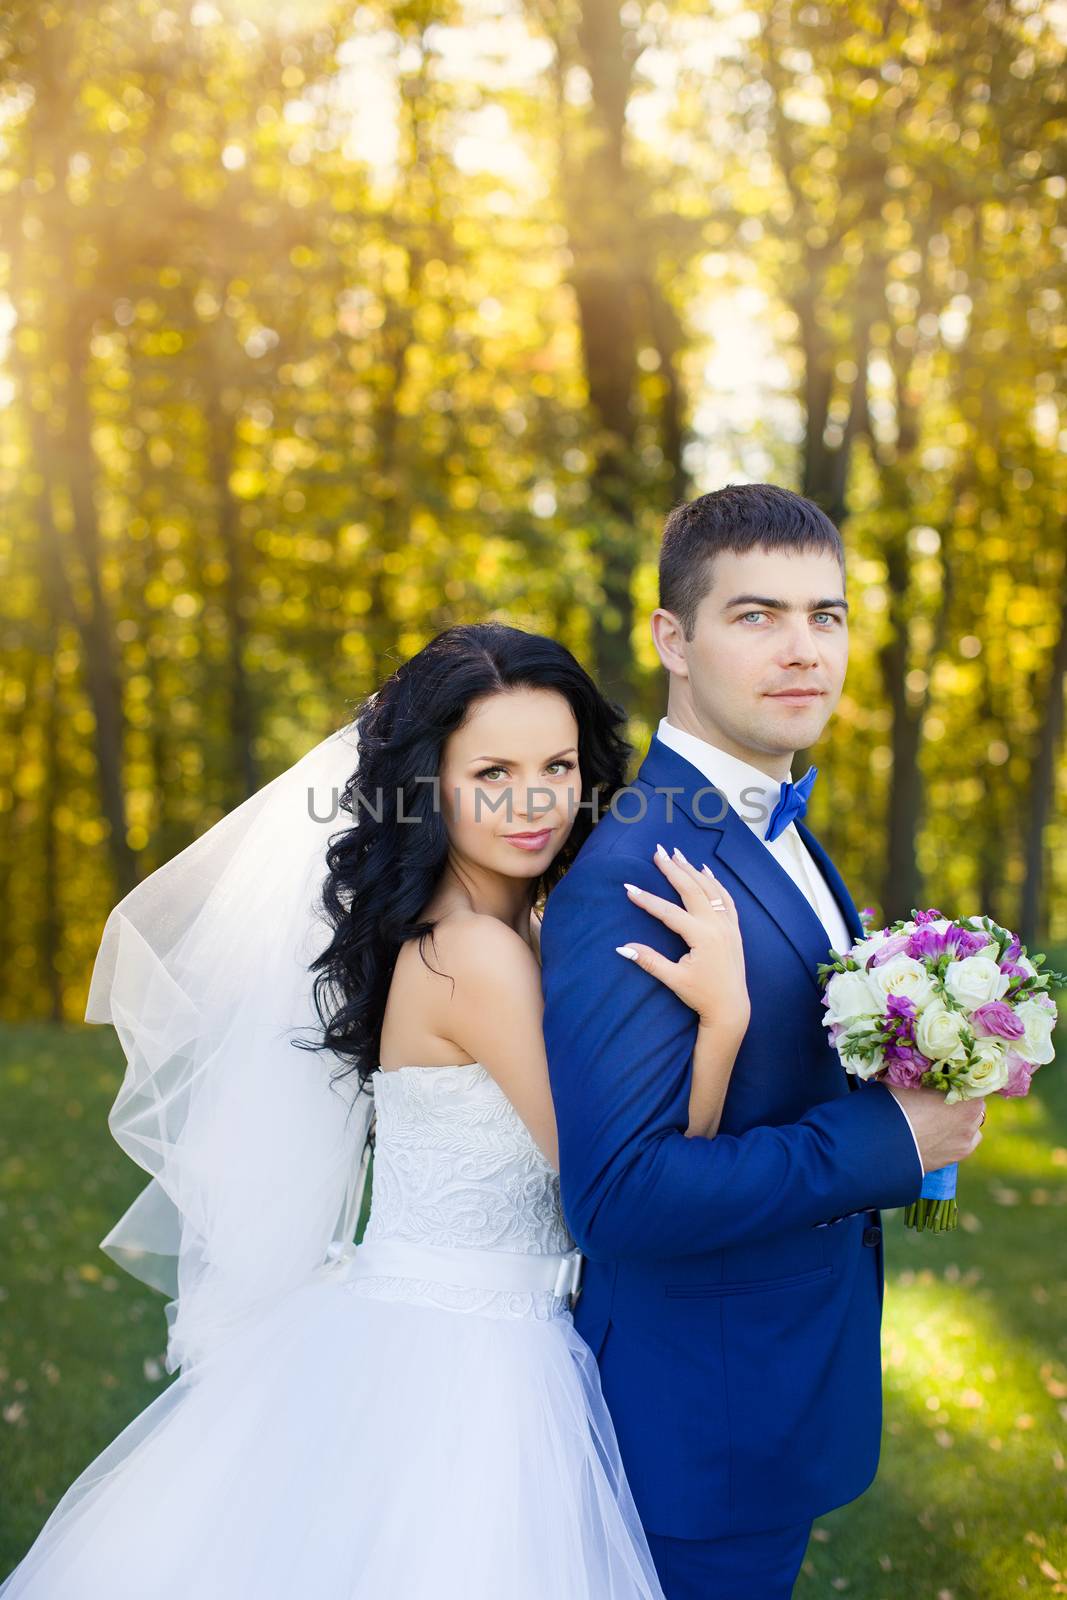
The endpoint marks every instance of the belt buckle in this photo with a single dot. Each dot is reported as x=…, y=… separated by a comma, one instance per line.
x=569, y=1275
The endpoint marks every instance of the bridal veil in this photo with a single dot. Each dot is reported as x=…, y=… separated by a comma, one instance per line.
x=257, y=1160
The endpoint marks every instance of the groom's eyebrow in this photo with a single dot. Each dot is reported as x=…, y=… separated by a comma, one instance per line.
x=509, y=761
x=781, y=605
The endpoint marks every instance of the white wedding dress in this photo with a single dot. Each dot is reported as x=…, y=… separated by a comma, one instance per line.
x=380, y=1435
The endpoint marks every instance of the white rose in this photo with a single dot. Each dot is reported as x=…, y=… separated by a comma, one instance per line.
x=975, y=981
x=987, y=1072
x=850, y=995
x=937, y=1032
x=902, y=975
x=1036, y=1044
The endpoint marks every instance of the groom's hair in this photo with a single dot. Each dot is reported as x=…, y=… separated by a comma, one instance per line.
x=739, y=517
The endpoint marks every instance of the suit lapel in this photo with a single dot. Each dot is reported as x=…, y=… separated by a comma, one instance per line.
x=768, y=882
x=834, y=882
x=731, y=841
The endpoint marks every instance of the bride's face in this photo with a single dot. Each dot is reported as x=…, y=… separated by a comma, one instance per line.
x=512, y=768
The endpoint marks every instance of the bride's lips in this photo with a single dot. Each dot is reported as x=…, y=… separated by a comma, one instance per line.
x=530, y=841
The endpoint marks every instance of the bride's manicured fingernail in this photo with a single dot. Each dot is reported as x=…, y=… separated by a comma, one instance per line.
x=661, y=852
x=633, y=889
x=679, y=856
x=627, y=950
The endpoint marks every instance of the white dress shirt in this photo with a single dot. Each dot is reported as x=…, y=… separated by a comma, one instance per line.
x=754, y=795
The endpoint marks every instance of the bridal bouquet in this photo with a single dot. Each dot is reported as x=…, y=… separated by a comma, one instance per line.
x=956, y=1006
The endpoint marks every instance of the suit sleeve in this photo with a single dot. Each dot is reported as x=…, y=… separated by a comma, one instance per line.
x=619, y=1045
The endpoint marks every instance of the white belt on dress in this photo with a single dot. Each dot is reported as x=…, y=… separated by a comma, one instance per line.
x=503, y=1270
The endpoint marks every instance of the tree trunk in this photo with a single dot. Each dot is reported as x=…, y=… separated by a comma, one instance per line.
x=993, y=833
x=1032, y=924
x=51, y=790
x=220, y=444
x=667, y=338
x=600, y=223
x=97, y=631
x=15, y=730
x=902, y=885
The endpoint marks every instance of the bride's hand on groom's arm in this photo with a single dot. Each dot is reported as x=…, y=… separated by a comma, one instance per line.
x=709, y=977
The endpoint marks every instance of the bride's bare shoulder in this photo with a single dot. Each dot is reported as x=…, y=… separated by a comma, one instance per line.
x=438, y=983
x=473, y=937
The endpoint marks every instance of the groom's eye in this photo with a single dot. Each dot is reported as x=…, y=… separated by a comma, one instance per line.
x=829, y=616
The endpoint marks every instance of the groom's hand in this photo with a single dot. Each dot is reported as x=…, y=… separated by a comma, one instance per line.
x=944, y=1133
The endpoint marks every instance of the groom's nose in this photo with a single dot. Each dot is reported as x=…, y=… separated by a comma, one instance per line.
x=798, y=649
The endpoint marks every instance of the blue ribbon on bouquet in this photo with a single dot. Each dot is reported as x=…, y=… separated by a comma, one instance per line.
x=940, y=1185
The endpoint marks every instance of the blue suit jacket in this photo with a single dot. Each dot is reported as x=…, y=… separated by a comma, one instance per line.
x=738, y=1336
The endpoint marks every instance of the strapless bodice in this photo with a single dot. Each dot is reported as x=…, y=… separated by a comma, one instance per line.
x=455, y=1166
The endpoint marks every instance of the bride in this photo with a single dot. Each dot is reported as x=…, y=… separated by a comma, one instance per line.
x=415, y=1416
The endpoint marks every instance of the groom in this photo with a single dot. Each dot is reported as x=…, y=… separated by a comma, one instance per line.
x=732, y=1286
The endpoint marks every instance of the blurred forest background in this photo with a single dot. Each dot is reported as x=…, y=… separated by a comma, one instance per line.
x=323, y=327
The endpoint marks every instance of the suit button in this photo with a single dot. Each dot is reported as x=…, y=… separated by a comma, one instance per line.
x=872, y=1234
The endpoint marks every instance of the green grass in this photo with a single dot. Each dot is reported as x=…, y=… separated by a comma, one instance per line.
x=971, y=1493
x=970, y=1498
x=81, y=1342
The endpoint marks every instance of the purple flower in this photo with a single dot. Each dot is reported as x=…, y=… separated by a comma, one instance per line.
x=1020, y=1073
x=928, y=916
x=969, y=943
x=900, y=1019
x=925, y=942
x=908, y=1054
x=1013, y=971
x=899, y=1005
x=959, y=942
x=904, y=1066
x=1014, y=949
x=886, y=951
x=997, y=1020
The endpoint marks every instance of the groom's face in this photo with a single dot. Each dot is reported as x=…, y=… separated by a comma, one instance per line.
x=770, y=624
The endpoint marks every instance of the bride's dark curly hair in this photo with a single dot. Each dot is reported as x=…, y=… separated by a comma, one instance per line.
x=382, y=871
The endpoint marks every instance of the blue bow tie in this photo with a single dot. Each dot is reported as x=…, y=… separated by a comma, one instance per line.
x=792, y=803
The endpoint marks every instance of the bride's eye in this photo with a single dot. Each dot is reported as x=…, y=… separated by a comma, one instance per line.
x=568, y=766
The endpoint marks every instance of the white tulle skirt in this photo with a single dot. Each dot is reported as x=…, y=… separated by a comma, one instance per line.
x=352, y=1448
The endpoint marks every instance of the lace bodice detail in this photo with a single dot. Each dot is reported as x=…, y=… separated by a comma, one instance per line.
x=455, y=1165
